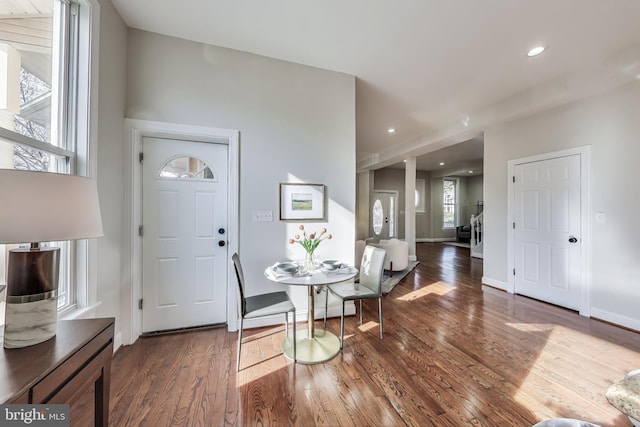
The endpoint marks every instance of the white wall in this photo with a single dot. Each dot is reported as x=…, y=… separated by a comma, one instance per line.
x=470, y=195
x=609, y=124
x=363, y=193
x=296, y=123
x=111, y=104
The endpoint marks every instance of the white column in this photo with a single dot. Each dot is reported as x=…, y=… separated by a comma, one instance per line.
x=363, y=201
x=410, y=206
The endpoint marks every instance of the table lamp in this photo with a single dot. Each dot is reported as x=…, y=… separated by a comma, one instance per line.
x=40, y=207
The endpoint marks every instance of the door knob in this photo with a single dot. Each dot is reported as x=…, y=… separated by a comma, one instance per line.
x=572, y=239
x=221, y=243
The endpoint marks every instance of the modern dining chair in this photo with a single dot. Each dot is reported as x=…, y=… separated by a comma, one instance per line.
x=368, y=287
x=261, y=305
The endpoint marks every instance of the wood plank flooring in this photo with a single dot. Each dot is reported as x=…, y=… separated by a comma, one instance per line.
x=454, y=353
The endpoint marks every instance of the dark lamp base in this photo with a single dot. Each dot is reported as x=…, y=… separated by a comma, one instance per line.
x=32, y=290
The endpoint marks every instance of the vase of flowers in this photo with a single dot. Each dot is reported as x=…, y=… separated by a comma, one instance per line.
x=309, y=242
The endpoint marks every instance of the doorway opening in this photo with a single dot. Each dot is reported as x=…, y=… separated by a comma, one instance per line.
x=138, y=130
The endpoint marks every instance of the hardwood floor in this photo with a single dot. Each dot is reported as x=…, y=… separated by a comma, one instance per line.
x=454, y=353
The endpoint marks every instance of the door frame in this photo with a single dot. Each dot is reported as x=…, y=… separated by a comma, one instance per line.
x=396, y=194
x=135, y=131
x=585, y=227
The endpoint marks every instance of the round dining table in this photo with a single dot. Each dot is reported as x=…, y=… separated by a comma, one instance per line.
x=313, y=346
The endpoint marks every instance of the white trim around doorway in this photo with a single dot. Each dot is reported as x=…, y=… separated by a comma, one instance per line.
x=131, y=293
x=585, y=209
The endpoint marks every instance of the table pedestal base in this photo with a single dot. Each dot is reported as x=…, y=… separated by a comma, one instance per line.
x=322, y=347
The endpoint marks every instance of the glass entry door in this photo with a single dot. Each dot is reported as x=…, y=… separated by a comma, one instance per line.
x=384, y=214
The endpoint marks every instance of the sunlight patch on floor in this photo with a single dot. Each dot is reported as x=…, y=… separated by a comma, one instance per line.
x=530, y=327
x=437, y=288
x=559, y=394
x=261, y=369
x=261, y=355
x=368, y=325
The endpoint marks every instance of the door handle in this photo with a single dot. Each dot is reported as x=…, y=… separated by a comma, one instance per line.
x=221, y=243
x=572, y=239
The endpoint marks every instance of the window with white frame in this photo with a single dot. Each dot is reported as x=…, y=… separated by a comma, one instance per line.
x=44, y=75
x=449, y=202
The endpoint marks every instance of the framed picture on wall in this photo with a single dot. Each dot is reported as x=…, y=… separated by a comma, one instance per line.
x=302, y=201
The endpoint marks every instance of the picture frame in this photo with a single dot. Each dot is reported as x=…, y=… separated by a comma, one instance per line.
x=301, y=201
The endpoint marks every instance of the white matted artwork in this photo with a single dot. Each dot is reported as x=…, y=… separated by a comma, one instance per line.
x=301, y=201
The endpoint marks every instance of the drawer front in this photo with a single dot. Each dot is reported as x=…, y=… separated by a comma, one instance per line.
x=79, y=384
x=23, y=398
x=67, y=370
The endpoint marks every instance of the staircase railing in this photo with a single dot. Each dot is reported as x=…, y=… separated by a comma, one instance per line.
x=476, y=236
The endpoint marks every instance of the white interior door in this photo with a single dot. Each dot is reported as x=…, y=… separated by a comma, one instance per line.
x=547, y=230
x=184, y=207
x=384, y=214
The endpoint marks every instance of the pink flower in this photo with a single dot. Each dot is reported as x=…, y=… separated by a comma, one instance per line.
x=310, y=241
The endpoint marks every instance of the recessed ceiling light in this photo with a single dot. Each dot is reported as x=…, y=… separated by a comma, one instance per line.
x=536, y=51
x=441, y=163
x=391, y=130
x=470, y=171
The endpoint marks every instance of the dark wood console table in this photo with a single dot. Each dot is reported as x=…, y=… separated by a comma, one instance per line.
x=62, y=369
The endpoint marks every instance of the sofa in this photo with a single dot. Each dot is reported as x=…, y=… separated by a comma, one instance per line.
x=397, y=256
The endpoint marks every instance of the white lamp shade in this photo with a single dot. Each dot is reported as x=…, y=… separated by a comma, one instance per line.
x=44, y=207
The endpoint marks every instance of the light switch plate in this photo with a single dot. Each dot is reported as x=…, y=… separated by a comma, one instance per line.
x=262, y=216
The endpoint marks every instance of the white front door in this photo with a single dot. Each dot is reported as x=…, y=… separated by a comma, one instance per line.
x=184, y=208
x=547, y=231
x=384, y=214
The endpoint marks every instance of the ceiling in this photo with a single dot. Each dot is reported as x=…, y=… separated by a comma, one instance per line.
x=462, y=159
x=439, y=72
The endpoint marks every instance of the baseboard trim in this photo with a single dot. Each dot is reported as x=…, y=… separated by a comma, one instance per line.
x=504, y=286
x=434, y=239
x=615, y=319
x=117, y=342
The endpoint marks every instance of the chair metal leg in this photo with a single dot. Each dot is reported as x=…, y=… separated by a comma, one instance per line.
x=361, y=312
x=326, y=304
x=380, y=314
x=239, y=343
x=342, y=326
x=286, y=324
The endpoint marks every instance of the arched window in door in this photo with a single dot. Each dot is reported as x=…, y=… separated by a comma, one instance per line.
x=378, y=216
x=186, y=167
